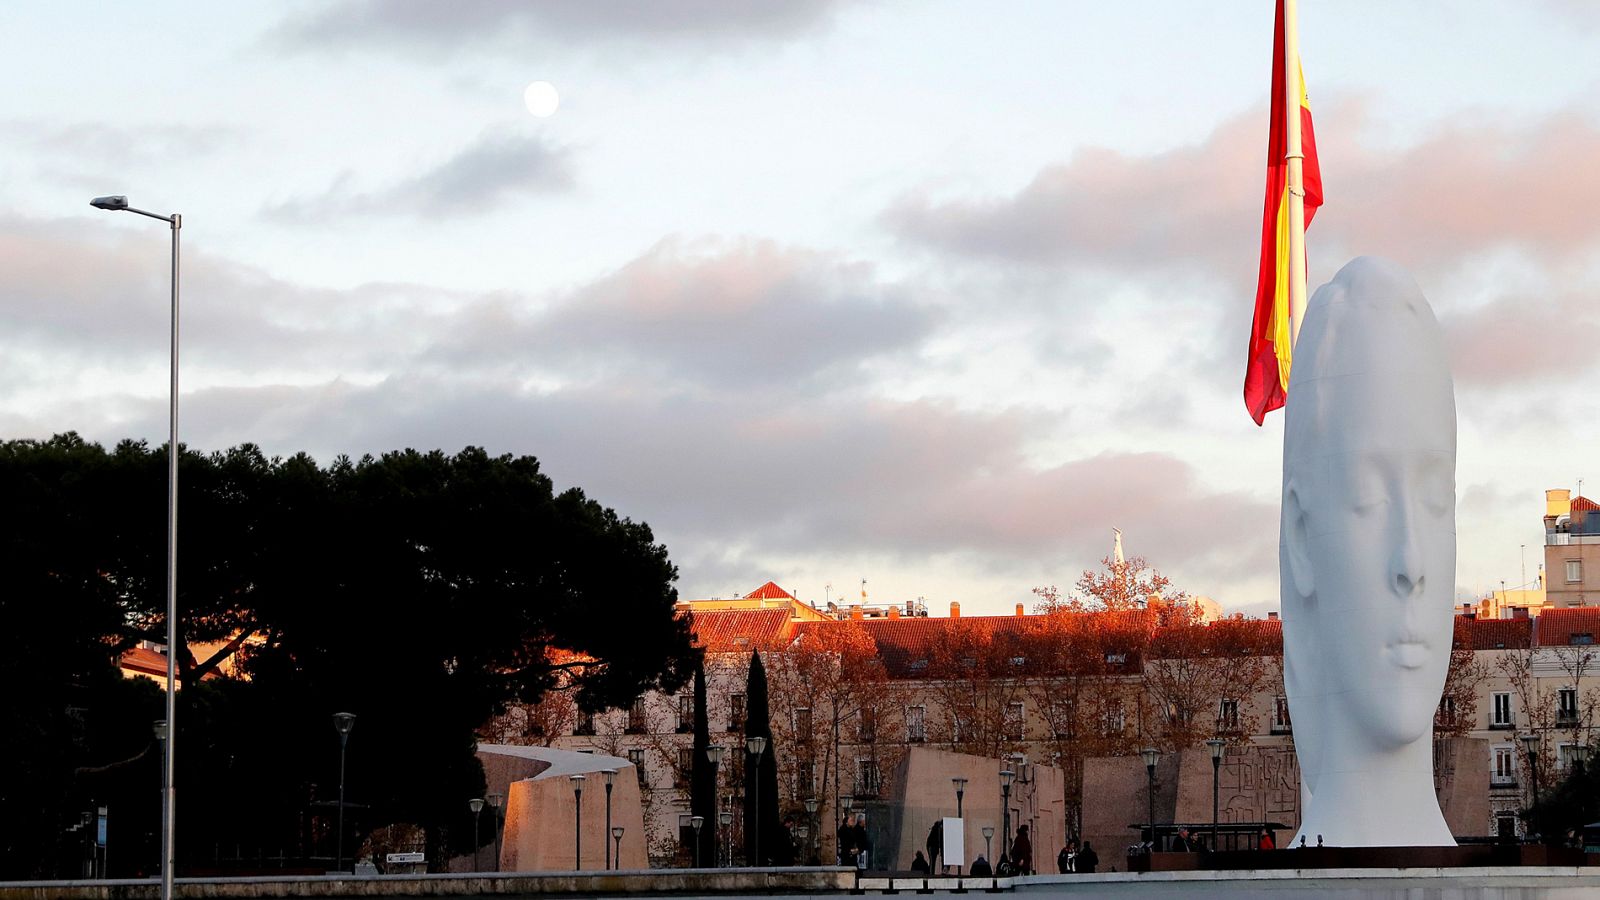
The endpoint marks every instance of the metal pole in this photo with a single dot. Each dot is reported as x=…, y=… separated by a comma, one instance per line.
x=169, y=801
x=1216, y=769
x=608, y=827
x=577, y=829
x=477, y=842
x=1150, y=771
x=1005, y=819
x=338, y=856
x=1295, y=158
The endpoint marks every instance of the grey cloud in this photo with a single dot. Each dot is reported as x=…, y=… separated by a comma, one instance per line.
x=120, y=146
x=494, y=171
x=474, y=24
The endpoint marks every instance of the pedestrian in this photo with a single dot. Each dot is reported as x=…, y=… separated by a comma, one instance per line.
x=980, y=868
x=1064, y=859
x=863, y=843
x=1266, y=842
x=935, y=845
x=1087, y=859
x=920, y=864
x=1022, y=852
x=1005, y=868
x=1182, y=843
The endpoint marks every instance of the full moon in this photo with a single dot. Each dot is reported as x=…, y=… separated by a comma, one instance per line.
x=541, y=98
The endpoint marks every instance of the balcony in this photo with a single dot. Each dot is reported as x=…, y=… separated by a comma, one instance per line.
x=1502, y=782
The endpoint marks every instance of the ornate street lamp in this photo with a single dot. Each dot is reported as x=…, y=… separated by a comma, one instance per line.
x=697, y=822
x=577, y=821
x=1216, y=745
x=1530, y=743
x=812, y=804
x=756, y=746
x=616, y=835
x=961, y=790
x=610, y=776
x=726, y=818
x=988, y=835
x=342, y=723
x=476, y=805
x=496, y=802
x=1006, y=775
x=1151, y=755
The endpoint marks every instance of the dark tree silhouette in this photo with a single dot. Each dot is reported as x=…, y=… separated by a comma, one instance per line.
x=702, y=778
x=761, y=780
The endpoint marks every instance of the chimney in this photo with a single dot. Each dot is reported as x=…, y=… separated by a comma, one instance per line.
x=1019, y=610
x=1557, y=503
x=955, y=609
x=1272, y=617
x=894, y=612
x=1519, y=612
x=855, y=612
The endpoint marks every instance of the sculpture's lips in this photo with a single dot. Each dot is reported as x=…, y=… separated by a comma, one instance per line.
x=1409, y=654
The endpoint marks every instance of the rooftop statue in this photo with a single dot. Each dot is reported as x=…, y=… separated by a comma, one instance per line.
x=1367, y=556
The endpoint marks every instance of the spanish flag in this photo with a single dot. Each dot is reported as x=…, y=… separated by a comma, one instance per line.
x=1266, y=379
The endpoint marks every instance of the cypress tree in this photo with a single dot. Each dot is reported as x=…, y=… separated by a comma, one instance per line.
x=702, y=777
x=762, y=779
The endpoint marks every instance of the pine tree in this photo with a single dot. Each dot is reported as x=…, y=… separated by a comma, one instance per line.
x=702, y=776
x=762, y=779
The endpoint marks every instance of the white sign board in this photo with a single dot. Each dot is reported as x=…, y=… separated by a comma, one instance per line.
x=393, y=858
x=954, y=842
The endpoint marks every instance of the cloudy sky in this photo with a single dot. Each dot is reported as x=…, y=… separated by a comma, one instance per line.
x=933, y=294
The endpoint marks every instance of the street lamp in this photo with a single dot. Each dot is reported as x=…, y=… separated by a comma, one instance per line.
x=476, y=805
x=496, y=801
x=577, y=821
x=1217, y=745
x=1530, y=743
x=342, y=723
x=697, y=822
x=610, y=776
x=168, y=793
x=961, y=790
x=756, y=746
x=616, y=835
x=988, y=836
x=1005, y=810
x=1151, y=755
x=726, y=818
x=714, y=754
x=812, y=804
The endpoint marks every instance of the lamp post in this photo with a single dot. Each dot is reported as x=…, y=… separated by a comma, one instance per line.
x=988, y=836
x=1217, y=745
x=577, y=821
x=726, y=818
x=168, y=792
x=476, y=805
x=1006, y=775
x=812, y=804
x=610, y=776
x=1530, y=743
x=697, y=822
x=1151, y=755
x=961, y=790
x=756, y=746
x=616, y=835
x=714, y=755
x=342, y=723
x=496, y=802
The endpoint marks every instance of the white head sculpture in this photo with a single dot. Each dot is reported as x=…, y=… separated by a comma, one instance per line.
x=1367, y=556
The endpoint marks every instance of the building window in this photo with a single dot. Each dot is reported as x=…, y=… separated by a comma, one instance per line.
x=1504, y=772
x=867, y=725
x=636, y=756
x=1567, y=706
x=1061, y=716
x=1228, y=715
x=736, y=712
x=685, y=767
x=1178, y=714
x=1500, y=713
x=916, y=724
x=868, y=779
x=1116, y=659
x=802, y=722
x=1014, y=721
x=1565, y=754
x=585, y=724
x=1574, y=571
x=1113, y=719
x=1580, y=637
x=685, y=714
x=1280, y=715
x=804, y=777
x=1446, y=715
x=637, y=721
x=686, y=831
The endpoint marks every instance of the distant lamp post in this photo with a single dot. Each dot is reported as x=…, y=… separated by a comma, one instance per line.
x=961, y=791
x=697, y=822
x=611, y=777
x=119, y=203
x=1216, y=745
x=726, y=818
x=1151, y=755
x=577, y=821
x=1530, y=743
x=616, y=836
x=988, y=836
x=1006, y=776
x=476, y=805
x=714, y=754
x=342, y=723
x=812, y=804
x=756, y=746
x=497, y=802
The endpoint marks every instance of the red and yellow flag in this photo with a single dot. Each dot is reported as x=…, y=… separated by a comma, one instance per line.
x=1266, y=377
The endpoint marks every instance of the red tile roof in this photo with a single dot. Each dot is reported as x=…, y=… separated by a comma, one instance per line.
x=1584, y=504
x=1563, y=627
x=1498, y=634
x=145, y=660
x=729, y=630
x=769, y=591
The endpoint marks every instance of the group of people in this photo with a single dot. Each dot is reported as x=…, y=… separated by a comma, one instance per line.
x=1018, y=861
x=855, y=846
x=1074, y=858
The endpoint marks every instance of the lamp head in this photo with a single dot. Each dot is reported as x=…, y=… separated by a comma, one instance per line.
x=714, y=754
x=756, y=745
x=846, y=802
x=697, y=821
x=475, y=804
x=496, y=800
x=811, y=805
x=115, y=201
x=725, y=817
x=1530, y=741
x=1005, y=777
x=610, y=776
x=343, y=722
x=959, y=782
x=1217, y=745
x=1150, y=755
x=616, y=832
x=988, y=832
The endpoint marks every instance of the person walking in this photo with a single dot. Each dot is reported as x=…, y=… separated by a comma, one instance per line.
x=1064, y=859
x=1022, y=852
x=1087, y=859
x=980, y=868
x=920, y=864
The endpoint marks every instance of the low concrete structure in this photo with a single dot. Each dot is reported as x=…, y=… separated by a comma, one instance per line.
x=1524, y=883
x=923, y=793
x=542, y=825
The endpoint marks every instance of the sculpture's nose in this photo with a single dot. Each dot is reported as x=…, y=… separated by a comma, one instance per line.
x=1406, y=567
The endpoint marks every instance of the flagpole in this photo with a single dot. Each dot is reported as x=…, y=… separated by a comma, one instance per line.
x=1294, y=158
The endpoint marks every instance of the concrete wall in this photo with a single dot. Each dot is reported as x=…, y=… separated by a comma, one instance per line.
x=542, y=826
x=923, y=793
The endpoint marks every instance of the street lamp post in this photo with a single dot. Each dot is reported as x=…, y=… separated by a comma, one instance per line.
x=726, y=818
x=697, y=822
x=1530, y=743
x=616, y=835
x=988, y=837
x=1217, y=746
x=342, y=723
x=577, y=821
x=610, y=776
x=497, y=801
x=714, y=755
x=476, y=805
x=961, y=790
x=812, y=804
x=1151, y=755
x=756, y=746
x=1006, y=775
x=168, y=791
